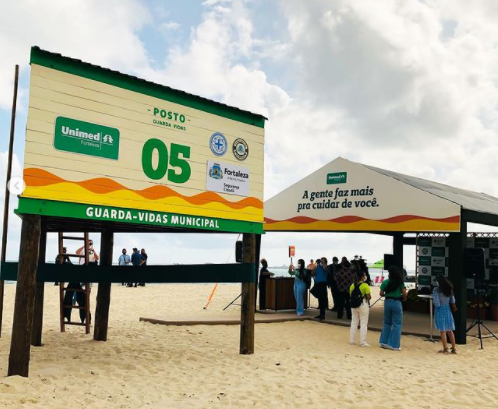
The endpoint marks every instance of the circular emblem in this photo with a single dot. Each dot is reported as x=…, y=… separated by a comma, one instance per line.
x=425, y=251
x=218, y=144
x=424, y=270
x=240, y=149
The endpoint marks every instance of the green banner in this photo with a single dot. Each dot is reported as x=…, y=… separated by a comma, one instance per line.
x=336, y=178
x=424, y=260
x=134, y=216
x=86, y=138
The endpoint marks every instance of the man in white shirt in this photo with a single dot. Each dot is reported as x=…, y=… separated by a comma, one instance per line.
x=124, y=259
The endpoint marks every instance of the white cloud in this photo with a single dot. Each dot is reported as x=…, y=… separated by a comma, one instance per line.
x=103, y=33
x=169, y=26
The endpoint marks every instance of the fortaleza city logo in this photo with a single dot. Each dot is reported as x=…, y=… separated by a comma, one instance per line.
x=336, y=178
x=85, y=138
x=215, y=171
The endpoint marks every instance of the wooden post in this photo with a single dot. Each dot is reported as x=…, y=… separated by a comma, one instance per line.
x=36, y=335
x=457, y=242
x=25, y=296
x=104, y=291
x=257, y=255
x=7, y=196
x=248, y=300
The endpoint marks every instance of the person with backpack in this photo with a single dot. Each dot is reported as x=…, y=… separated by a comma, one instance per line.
x=444, y=303
x=360, y=308
x=300, y=278
x=395, y=291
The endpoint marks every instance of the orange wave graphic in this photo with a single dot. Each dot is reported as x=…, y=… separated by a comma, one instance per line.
x=35, y=177
x=353, y=219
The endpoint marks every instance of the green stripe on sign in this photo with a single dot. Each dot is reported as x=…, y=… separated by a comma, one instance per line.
x=117, y=79
x=134, y=216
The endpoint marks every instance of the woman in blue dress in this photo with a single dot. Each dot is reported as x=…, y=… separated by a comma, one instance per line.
x=300, y=274
x=443, y=318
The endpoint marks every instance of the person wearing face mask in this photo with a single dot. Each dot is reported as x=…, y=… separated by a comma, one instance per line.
x=300, y=274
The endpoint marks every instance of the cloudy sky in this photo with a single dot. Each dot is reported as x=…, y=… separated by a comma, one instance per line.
x=406, y=85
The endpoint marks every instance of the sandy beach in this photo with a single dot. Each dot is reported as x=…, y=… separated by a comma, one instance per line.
x=296, y=364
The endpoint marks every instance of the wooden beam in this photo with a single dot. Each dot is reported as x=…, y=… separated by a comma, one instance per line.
x=104, y=291
x=480, y=218
x=36, y=335
x=22, y=325
x=457, y=242
x=185, y=273
x=248, y=300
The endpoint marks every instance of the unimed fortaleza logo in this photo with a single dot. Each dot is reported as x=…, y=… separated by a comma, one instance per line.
x=336, y=178
x=86, y=138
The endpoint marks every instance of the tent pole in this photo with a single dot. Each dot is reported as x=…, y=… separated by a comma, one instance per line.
x=457, y=242
x=398, y=250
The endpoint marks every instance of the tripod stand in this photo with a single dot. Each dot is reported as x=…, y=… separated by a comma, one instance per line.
x=480, y=287
x=233, y=302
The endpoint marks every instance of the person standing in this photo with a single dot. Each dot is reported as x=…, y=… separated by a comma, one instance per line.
x=124, y=259
x=360, y=299
x=320, y=288
x=143, y=263
x=65, y=259
x=300, y=274
x=264, y=274
x=394, y=290
x=331, y=281
x=93, y=256
x=443, y=318
x=136, y=260
x=344, y=278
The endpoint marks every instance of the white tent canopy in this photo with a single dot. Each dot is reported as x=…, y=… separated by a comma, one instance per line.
x=349, y=196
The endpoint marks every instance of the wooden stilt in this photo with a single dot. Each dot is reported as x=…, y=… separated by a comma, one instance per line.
x=257, y=255
x=22, y=325
x=248, y=300
x=104, y=291
x=36, y=335
x=7, y=195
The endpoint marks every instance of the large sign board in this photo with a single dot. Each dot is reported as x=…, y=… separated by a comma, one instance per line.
x=347, y=196
x=101, y=145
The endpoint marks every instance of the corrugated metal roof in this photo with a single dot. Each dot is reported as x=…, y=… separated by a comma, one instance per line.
x=183, y=94
x=467, y=199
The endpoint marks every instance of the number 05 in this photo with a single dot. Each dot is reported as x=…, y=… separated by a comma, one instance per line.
x=180, y=172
